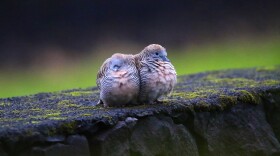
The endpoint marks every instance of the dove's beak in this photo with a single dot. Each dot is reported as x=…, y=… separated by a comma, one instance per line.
x=165, y=59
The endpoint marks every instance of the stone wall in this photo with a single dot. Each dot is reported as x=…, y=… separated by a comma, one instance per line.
x=233, y=112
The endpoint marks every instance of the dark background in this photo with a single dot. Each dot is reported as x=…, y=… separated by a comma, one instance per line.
x=28, y=27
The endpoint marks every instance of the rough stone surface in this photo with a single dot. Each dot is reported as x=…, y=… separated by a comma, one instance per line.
x=113, y=141
x=154, y=135
x=2, y=153
x=230, y=112
x=160, y=136
x=74, y=145
x=249, y=135
x=272, y=109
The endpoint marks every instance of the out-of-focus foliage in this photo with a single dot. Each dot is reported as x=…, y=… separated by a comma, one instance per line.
x=196, y=58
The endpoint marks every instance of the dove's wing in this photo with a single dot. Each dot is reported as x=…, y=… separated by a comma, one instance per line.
x=101, y=72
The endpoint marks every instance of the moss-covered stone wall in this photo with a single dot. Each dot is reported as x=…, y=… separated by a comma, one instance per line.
x=46, y=122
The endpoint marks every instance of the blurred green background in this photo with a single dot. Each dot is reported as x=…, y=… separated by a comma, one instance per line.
x=50, y=46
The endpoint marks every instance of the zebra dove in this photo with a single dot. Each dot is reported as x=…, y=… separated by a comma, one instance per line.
x=157, y=75
x=118, y=81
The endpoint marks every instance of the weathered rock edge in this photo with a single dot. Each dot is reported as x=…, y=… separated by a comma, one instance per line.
x=230, y=112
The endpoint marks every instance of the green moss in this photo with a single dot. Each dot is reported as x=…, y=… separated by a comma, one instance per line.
x=108, y=117
x=50, y=111
x=266, y=68
x=57, y=118
x=238, y=82
x=36, y=109
x=87, y=115
x=5, y=103
x=226, y=101
x=203, y=105
x=80, y=93
x=186, y=95
x=53, y=115
x=16, y=111
x=203, y=102
x=180, y=79
x=35, y=122
x=51, y=131
x=11, y=120
x=67, y=103
x=270, y=82
x=191, y=95
x=68, y=127
x=90, y=107
x=199, y=93
x=63, y=102
x=248, y=97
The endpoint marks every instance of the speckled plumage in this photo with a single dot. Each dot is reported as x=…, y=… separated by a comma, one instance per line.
x=157, y=75
x=118, y=81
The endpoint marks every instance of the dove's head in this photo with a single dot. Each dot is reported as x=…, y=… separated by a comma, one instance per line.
x=120, y=61
x=155, y=52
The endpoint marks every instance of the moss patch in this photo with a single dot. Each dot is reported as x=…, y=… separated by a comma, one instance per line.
x=220, y=89
x=80, y=93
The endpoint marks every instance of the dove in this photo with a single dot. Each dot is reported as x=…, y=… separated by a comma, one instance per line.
x=118, y=81
x=157, y=75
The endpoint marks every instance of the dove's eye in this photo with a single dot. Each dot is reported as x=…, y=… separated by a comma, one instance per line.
x=116, y=67
x=156, y=53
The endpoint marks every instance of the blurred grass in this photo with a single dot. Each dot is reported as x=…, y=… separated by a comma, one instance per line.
x=196, y=58
x=231, y=54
